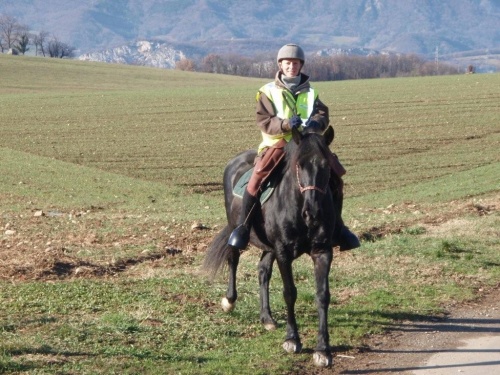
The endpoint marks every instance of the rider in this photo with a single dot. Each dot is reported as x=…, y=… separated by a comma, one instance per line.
x=288, y=102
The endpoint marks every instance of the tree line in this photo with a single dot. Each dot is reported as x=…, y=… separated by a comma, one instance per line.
x=323, y=68
x=18, y=39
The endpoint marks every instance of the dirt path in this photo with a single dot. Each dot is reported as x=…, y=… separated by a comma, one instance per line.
x=467, y=341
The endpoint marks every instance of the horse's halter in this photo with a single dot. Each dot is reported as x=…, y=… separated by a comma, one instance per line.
x=309, y=187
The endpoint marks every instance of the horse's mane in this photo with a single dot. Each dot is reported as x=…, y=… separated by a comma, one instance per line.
x=311, y=142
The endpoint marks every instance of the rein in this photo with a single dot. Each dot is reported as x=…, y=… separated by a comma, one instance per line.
x=309, y=187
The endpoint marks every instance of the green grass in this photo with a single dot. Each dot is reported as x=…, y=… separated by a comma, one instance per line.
x=122, y=160
x=157, y=127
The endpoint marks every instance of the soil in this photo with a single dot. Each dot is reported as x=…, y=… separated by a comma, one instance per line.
x=407, y=346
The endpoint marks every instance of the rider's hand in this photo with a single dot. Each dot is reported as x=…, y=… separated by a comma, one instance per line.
x=295, y=122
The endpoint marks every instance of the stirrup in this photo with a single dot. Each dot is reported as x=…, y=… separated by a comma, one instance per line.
x=240, y=237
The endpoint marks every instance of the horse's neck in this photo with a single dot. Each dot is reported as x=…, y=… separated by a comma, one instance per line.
x=289, y=175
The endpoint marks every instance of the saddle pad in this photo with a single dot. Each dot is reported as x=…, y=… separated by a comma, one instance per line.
x=241, y=185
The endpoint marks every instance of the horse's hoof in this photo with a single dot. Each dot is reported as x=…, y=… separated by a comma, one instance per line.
x=269, y=323
x=270, y=326
x=226, y=305
x=322, y=359
x=292, y=346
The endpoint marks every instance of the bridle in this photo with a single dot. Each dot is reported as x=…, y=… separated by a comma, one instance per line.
x=309, y=187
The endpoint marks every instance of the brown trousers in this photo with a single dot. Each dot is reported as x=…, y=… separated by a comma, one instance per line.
x=268, y=160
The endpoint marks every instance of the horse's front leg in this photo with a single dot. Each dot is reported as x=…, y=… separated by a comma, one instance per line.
x=265, y=273
x=322, y=261
x=229, y=301
x=292, y=342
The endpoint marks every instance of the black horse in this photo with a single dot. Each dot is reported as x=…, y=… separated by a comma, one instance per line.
x=298, y=218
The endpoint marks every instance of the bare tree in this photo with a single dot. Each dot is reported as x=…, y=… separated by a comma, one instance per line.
x=263, y=67
x=185, y=64
x=53, y=47
x=40, y=42
x=213, y=63
x=59, y=49
x=67, y=51
x=23, y=40
x=237, y=65
x=9, y=31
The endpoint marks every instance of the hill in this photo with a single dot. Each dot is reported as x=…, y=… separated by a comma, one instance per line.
x=198, y=27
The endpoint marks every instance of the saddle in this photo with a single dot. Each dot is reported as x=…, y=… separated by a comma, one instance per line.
x=267, y=188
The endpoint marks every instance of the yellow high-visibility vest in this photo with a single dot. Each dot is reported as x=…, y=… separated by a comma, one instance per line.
x=283, y=101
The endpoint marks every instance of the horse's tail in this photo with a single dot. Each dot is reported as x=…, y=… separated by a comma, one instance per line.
x=218, y=252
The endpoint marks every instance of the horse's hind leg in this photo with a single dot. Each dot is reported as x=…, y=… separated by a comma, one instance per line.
x=229, y=300
x=265, y=273
x=322, y=262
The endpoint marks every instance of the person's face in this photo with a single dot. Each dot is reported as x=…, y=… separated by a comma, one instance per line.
x=290, y=67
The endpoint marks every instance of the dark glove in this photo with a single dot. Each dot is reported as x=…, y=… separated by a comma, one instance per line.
x=312, y=124
x=295, y=122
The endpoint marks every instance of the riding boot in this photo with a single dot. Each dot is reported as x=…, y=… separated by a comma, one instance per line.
x=347, y=240
x=240, y=236
x=343, y=237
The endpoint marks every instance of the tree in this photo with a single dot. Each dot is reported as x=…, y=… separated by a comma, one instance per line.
x=40, y=42
x=59, y=49
x=9, y=31
x=185, y=64
x=23, y=41
x=213, y=63
x=68, y=51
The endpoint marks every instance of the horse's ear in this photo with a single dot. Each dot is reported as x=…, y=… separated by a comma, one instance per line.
x=296, y=136
x=329, y=134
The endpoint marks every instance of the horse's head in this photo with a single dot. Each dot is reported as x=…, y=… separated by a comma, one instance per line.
x=328, y=135
x=312, y=169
